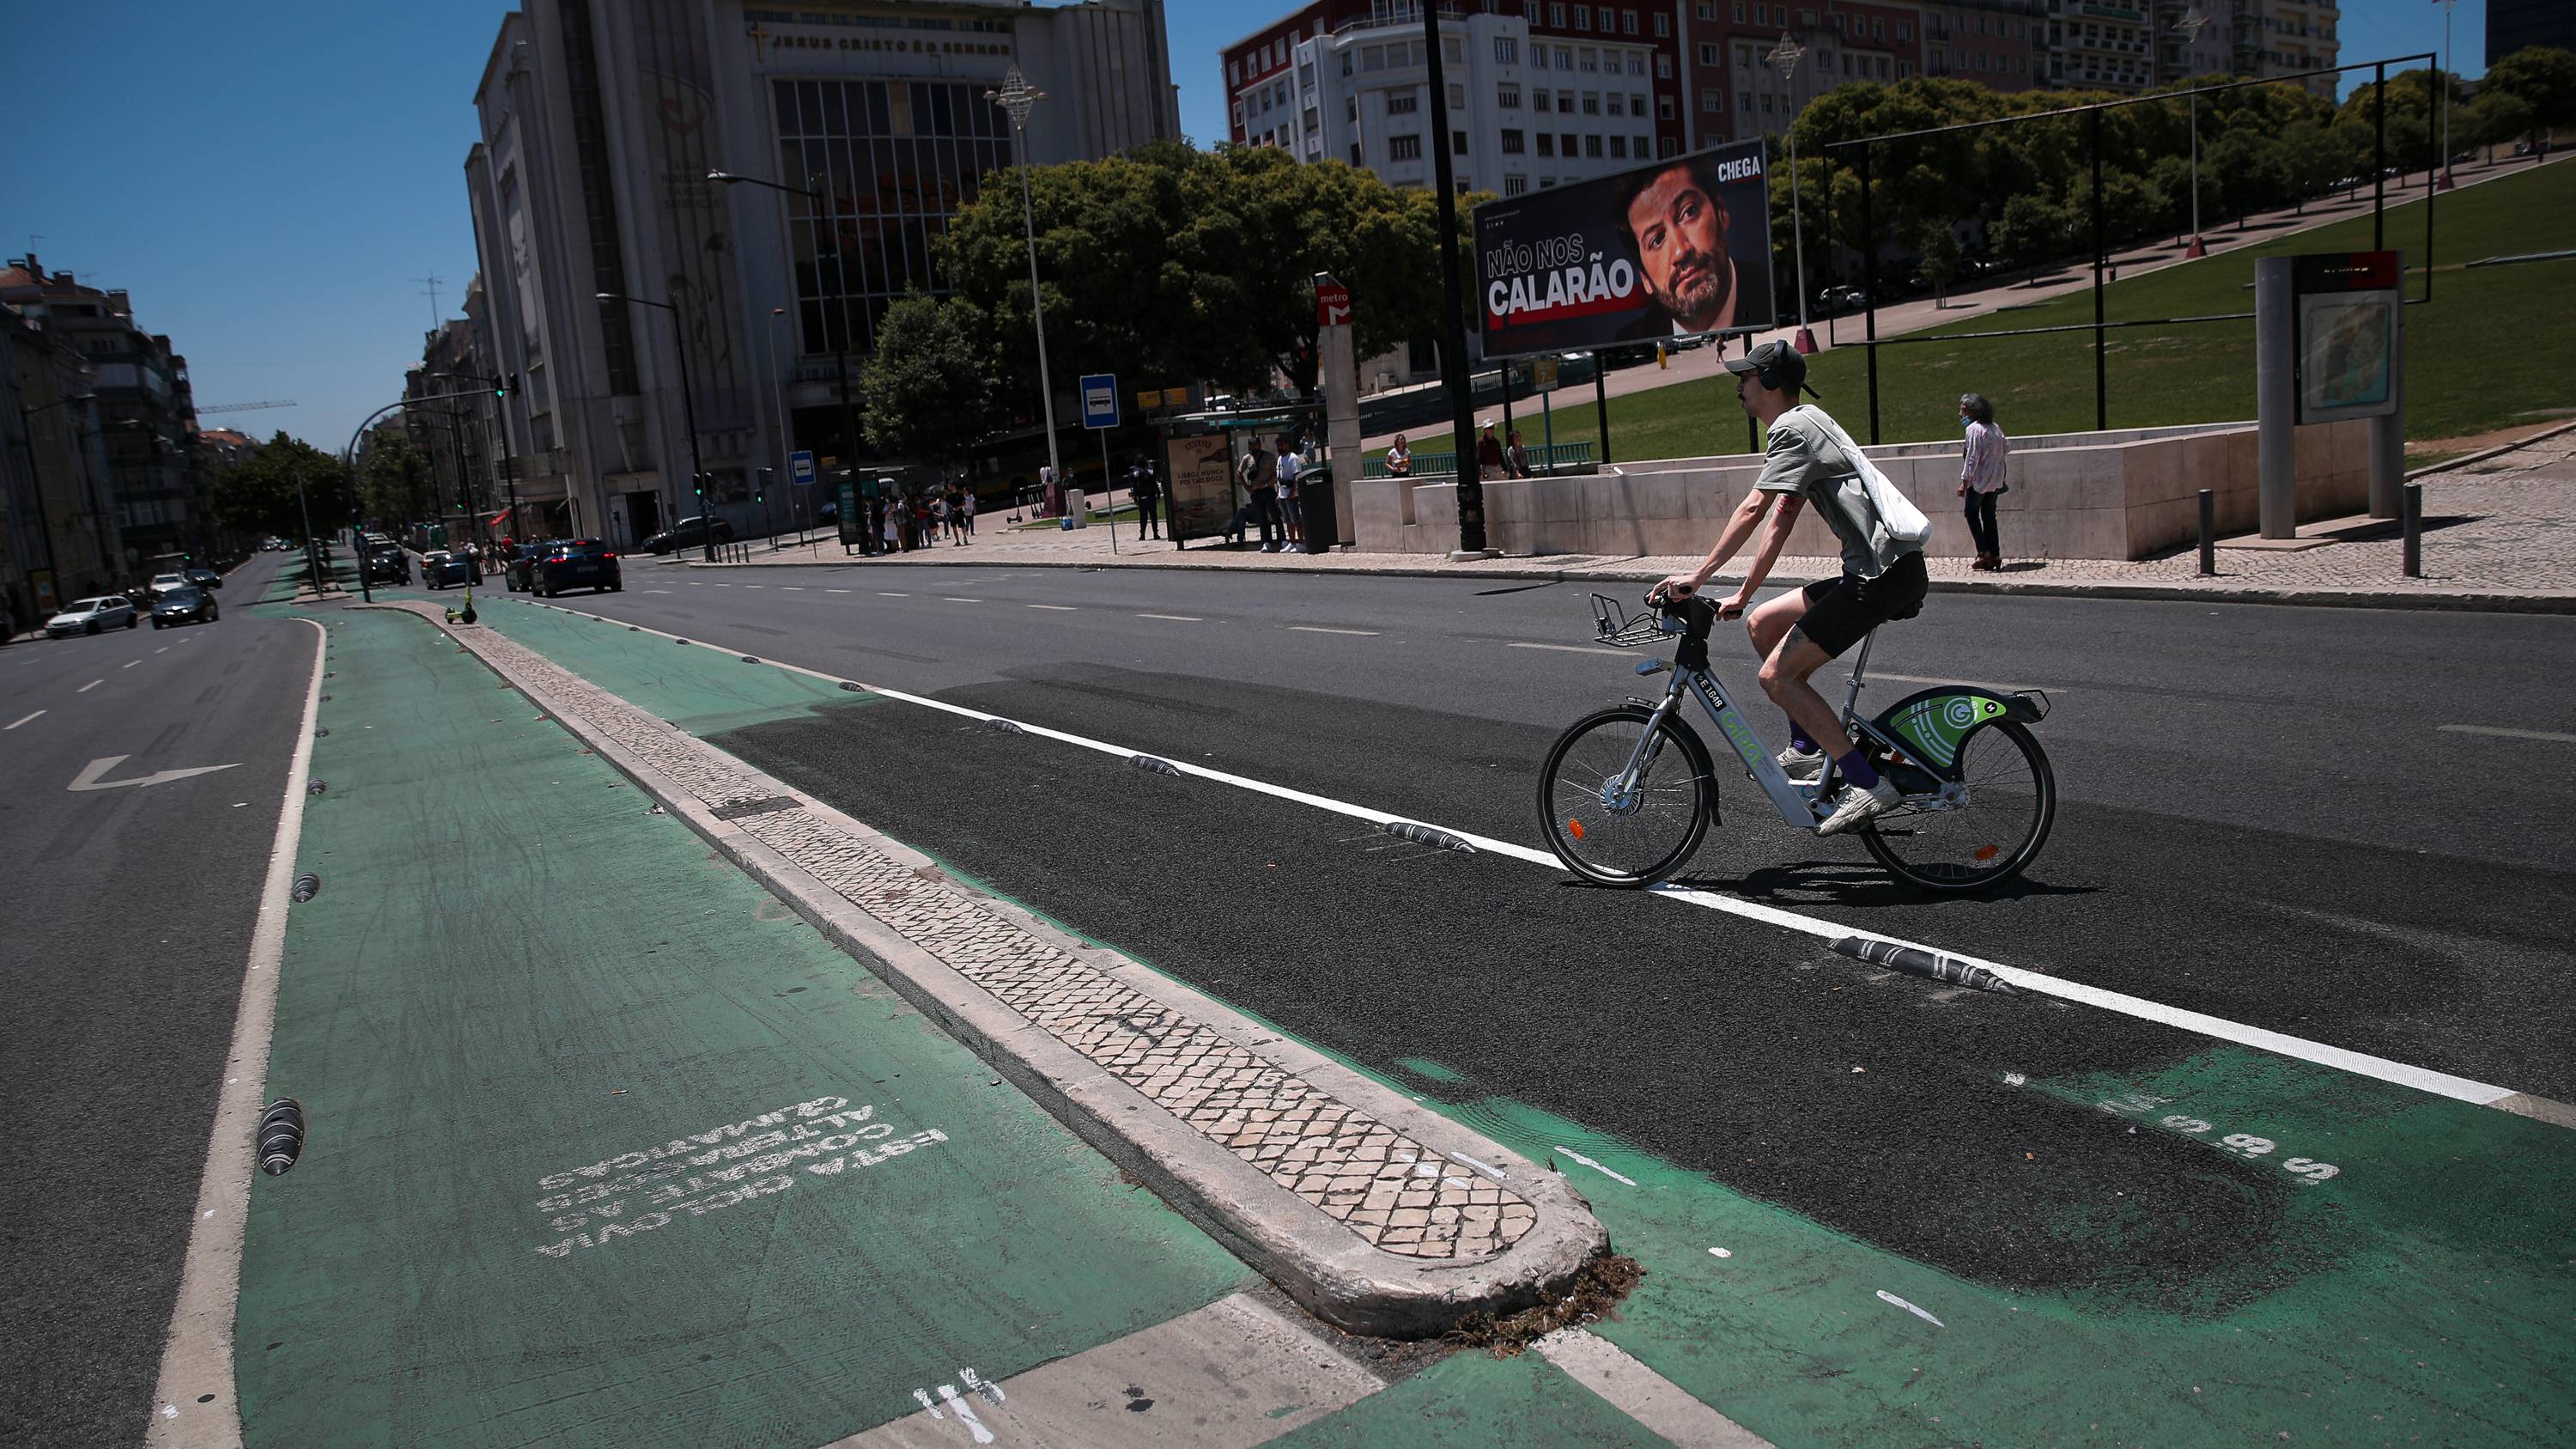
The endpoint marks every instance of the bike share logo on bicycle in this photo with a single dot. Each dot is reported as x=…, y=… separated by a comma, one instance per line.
x=1937, y=725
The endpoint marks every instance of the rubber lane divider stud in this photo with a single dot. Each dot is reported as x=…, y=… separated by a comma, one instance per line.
x=1915, y=961
x=747, y=659
x=318, y=734
x=280, y=1139
x=1148, y=762
x=317, y=787
x=1005, y=726
x=307, y=886
x=854, y=688
x=1427, y=835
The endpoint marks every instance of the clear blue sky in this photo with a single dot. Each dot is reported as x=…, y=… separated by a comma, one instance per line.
x=270, y=180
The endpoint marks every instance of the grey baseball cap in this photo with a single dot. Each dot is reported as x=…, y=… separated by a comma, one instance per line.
x=1775, y=365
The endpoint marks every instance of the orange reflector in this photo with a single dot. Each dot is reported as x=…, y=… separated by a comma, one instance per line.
x=1574, y=828
x=1989, y=852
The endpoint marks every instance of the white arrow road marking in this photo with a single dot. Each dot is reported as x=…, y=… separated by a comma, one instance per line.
x=90, y=775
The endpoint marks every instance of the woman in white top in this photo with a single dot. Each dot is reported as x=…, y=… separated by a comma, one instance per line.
x=1981, y=477
x=1399, y=459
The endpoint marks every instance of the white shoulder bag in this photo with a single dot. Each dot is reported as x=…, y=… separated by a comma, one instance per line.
x=1898, y=518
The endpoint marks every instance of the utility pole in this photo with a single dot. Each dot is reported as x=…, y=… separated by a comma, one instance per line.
x=2188, y=27
x=1016, y=97
x=1453, y=327
x=1786, y=57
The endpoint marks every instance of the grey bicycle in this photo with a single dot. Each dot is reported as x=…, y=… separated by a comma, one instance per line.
x=1629, y=792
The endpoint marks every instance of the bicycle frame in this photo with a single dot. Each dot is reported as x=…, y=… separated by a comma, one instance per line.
x=1797, y=803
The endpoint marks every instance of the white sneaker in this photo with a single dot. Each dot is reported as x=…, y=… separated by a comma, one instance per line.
x=1800, y=764
x=1856, y=806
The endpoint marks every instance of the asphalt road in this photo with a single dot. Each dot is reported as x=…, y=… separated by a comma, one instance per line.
x=129, y=924
x=2262, y=818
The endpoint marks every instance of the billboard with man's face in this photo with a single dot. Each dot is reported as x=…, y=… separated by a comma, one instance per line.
x=1677, y=246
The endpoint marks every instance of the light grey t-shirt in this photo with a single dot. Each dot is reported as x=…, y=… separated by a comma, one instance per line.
x=1803, y=457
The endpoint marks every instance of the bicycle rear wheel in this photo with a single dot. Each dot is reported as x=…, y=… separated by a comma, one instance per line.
x=1617, y=832
x=1994, y=830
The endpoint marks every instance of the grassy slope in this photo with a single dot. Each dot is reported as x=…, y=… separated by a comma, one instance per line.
x=2495, y=348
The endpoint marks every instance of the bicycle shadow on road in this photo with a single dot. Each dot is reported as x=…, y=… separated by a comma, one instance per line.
x=1849, y=883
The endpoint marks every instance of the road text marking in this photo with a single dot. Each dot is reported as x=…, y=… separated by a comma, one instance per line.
x=2550, y=735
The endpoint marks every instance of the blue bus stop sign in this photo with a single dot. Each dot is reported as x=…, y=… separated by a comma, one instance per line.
x=800, y=467
x=1100, y=400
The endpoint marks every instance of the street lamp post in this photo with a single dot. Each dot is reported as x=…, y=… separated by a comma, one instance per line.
x=2442, y=78
x=840, y=335
x=1786, y=58
x=2188, y=27
x=688, y=406
x=1016, y=96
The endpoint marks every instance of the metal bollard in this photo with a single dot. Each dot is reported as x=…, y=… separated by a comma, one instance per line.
x=2208, y=533
x=2411, y=511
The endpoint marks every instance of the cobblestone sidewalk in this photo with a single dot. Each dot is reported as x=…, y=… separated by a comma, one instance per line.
x=1394, y=1192
x=2498, y=533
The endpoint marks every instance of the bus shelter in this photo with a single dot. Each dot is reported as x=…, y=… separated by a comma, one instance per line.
x=1204, y=498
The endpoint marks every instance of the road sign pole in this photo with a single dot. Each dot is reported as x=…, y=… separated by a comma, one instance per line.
x=1109, y=489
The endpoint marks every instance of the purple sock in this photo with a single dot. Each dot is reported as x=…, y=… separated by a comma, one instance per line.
x=1798, y=741
x=1857, y=769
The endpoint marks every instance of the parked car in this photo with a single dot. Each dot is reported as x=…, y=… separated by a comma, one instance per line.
x=443, y=570
x=183, y=606
x=88, y=616
x=690, y=533
x=578, y=563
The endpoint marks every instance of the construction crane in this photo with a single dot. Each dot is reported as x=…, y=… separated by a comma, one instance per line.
x=246, y=407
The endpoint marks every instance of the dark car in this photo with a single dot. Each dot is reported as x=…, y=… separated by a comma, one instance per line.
x=520, y=572
x=206, y=579
x=387, y=564
x=690, y=533
x=578, y=563
x=183, y=606
x=446, y=570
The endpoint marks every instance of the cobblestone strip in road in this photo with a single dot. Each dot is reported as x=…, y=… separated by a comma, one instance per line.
x=1397, y=1194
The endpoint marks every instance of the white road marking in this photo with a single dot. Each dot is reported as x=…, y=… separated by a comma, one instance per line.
x=836, y=591
x=657, y=591
x=1910, y=1308
x=2552, y=736
x=952, y=598
x=1175, y=618
x=891, y=594
x=86, y=688
x=755, y=586
x=197, y=1356
x=89, y=777
x=164, y=649
x=21, y=720
x=1572, y=648
x=1058, y=608
x=129, y=664
x=1721, y=1253
x=1979, y=683
x=1320, y=629
x=696, y=583
x=2422, y=1079
x=1573, y=1156
x=793, y=588
x=1657, y=1403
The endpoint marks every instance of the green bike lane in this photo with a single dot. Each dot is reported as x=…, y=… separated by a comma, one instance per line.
x=606, y=1145
x=2418, y=1285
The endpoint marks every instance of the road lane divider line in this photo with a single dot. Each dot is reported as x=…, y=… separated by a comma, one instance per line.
x=891, y=594
x=836, y=591
x=1056, y=608
x=86, y=688
x=1571, y=648
x=194, y=1403
x=22, y=719
x=129, y=664
x=953, y=599
x=2553, y=736
x=1320, y=629
x=2051, y=689
x=1175, y=618
x=2404, y=1074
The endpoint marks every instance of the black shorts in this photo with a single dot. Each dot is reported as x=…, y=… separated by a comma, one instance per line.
x=1841, y=610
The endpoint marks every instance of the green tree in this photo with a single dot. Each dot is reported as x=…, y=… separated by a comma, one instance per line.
x=2132, y=206
x=2248, y=168
x=928, y=390
x=260, y=493
x=1943, y=260
x=2032, y=230
x=2495, y=118
x=2542, y=77
x=394, y=482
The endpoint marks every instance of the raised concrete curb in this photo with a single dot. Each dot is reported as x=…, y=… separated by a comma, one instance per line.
x=1377, y=1216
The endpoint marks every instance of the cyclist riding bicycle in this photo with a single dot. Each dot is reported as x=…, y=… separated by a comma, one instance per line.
x=1808, y=458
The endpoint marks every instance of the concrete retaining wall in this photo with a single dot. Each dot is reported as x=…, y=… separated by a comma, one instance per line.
x=2118, y=495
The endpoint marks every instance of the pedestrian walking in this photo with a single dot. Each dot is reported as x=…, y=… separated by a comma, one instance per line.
x=1489, y=453
x=1293, y=527
x=966, y=511
x=1516, y=458
x=1146, y=491
x=1981, y=478
x=1399, y=458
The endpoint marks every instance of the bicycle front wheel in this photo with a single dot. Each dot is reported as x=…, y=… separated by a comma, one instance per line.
x=1990, y=827
x=1614, y=828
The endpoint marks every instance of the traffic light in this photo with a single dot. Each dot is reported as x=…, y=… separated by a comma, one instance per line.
x=700, y=479
x=760, y=491
x=501, y=386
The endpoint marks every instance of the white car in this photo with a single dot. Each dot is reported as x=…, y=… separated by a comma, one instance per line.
x=88, y=616
x=164, y=583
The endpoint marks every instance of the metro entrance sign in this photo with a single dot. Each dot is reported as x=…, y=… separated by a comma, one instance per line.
x=1332, y=303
